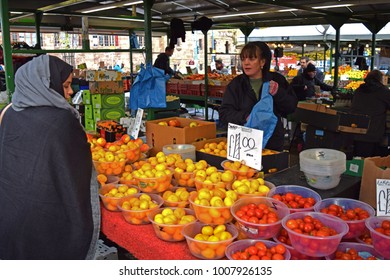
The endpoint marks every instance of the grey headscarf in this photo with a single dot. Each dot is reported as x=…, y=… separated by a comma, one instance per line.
x=34, y=86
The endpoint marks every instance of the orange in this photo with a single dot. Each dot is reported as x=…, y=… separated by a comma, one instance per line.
x=102, y=179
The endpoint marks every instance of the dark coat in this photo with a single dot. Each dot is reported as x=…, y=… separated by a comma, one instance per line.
x=301, y=80
x=239, y=99
x=162, y=62
x=372, y=98
x=45, y=172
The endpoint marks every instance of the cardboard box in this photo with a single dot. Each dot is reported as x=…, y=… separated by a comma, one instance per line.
x=88, y=112
x=316, y=107
x=158, y=135
x=106, y=87
x=103, y=75
x=108, y=114
x=271, y=163
x=89, y=124
x=355, y=167
x=87, y=100
x=374, y=168
x=104, y=101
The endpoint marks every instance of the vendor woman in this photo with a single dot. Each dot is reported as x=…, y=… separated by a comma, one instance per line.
x=257, y=84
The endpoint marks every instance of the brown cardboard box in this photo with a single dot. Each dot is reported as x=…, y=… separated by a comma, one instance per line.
x=158, y=136
x=107, y=87
x=374, y=168
x=271, y=163
x=316, y=107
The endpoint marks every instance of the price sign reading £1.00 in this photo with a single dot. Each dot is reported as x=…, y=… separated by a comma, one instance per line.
x=245, y=145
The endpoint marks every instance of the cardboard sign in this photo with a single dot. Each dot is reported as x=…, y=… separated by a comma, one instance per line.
x=383, y=197
x=245, y=144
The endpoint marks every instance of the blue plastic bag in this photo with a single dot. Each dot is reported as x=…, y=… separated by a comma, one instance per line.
x=149, y=88
x=262, y=116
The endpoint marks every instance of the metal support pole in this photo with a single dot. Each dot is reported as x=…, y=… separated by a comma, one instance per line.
x=84, y=35
x=246, y=31
x=131, y=57
x=336, y=61
x=148, y=4
x=373, y=46
x=206, y=78
x=7, y=51
x=38, y=20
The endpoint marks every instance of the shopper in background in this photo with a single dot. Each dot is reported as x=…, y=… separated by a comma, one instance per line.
x=304, y=61
x=162, y=61
x=319, y=74
x=220, y=68
x=48, y=208
x=246, y=90
x=371, y=98
x=304, y=84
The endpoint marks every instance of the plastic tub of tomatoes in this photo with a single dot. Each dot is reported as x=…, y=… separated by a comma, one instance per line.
x=379, y=228
x=282, y=237
x=209, y=242
x=259, y=217
x=314, y=234
x=296, y=198
x=253, y=249
x=354, y=251
x=352, y=211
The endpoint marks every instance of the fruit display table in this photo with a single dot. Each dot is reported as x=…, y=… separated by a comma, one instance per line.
x=141, y=240
x=349, y=186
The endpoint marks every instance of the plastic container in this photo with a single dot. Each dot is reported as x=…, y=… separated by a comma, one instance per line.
x=185, y=150
x=363, y=250
x=260, y=231
x=241, y=245
x=178, y=199
x=208, y=250
x=316, y=246
x=356, y=227
x=170, y=232
x=154, y=185
x=295, y=255
x=211, y=214
x=268, y=184
x=240, y=174
x=299, y=190
x=110, y=201
x=109, y=167
x=209, y=185
x=322, y=167
x=381, y=242
x=139, y=217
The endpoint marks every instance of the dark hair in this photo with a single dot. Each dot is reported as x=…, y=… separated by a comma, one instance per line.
x=218, y=61
x=168, y=49
x=305, y=58
x=258, y=50
x=374, y=75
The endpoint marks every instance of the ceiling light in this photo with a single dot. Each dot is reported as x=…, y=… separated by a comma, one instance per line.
x=98, y=9
x=287, y=10
x=239, y=15
x=125, y=19
x=108, y=7
x=333, y=6
x=132, y=3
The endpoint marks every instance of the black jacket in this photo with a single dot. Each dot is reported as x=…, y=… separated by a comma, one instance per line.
x=162, y=62
x=372, y=98
x=239, y=99
x=299, y=82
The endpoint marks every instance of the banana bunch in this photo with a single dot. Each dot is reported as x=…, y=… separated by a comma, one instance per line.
x=356, y=74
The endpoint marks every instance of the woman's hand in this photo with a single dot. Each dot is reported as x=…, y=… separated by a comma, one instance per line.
x=273, y=87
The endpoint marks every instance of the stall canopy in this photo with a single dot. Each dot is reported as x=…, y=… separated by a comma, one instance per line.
x=242, y=14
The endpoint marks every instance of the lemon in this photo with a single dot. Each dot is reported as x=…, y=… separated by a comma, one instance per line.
x=219, y=228
x=207, y=230
x=166, y=212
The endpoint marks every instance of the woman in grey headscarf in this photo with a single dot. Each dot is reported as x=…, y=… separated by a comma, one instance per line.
x=48, y=207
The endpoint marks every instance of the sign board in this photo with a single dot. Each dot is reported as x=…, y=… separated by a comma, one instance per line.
x=245, y=144
x=134, y=130
x=383, y=197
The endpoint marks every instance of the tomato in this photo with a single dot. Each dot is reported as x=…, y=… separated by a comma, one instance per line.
x=240, y=213
x=253, y=220
x=260, y=246
x=280, y=249
x=292, y=224
x=385, y=224
x=250, y=212
x=289, y=197
x=259, y=213
x=252, y=250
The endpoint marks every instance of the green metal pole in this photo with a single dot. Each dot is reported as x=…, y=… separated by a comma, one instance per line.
x=336, y=60
x=373, y=46
x=131, y=57
x=85, y=36
x=206, y=78
x=148, y=4
x=7, y=52
x=38, y=20
x=331, y=58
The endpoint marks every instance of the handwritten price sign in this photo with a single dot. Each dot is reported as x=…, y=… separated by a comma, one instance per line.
x=383, y=197
x=245, y=145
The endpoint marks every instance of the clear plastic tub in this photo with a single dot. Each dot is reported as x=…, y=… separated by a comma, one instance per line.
x=316, y=246
x=185, y=150
x=380, y=241
x=363, y=250
x=356, y=227
x=325, y=162
x=241, y=245
x=323, y=182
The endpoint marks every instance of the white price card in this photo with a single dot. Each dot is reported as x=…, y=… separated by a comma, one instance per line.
x=383, y=197
x=245, y=144
x=137, y=124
